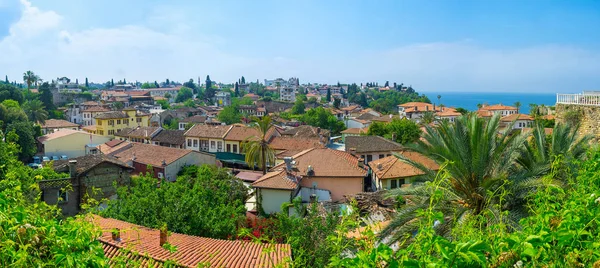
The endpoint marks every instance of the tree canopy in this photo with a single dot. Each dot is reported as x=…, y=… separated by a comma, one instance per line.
x=184, y=94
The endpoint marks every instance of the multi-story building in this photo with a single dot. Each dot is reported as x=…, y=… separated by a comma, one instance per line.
x=163, y=91
x=206, y=138
x=109, y=123
x=287, y=94
x=88, y=114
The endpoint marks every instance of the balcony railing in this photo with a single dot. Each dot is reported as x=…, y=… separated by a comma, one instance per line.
x=579, y=99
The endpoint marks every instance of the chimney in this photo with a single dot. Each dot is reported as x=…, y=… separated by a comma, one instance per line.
x=73, y=168
x=164, y=163
x=313, y=198
x=361, y=162
x=394, y=136
x=416, y=108
x=163, y=236
x=116, y=234
x=426, y=108
x=318, y=130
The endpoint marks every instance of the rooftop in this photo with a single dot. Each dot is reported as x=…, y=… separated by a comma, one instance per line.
x=151, y=154
x=192, y=251
x=497, y=107
x=87, y=162
x=207, y=131
x=275, y=180
x=392, y=167
x=305, y=131
x=355, y=131
x=58, y=123
x=59, y=134
x=241, y=133
x=326, y=163
x=366, y=144
x=111, y=115
x=194, y=119
x=513, y=117
x=170, y=136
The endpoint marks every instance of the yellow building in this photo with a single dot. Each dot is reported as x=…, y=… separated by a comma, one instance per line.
x=107, y=124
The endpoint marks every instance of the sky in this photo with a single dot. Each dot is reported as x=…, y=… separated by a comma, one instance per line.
x=535, y=46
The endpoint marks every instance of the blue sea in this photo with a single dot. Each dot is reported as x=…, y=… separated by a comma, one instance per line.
x=469, y=100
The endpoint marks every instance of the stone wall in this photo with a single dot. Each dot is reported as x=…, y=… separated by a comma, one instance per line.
x=589, y=117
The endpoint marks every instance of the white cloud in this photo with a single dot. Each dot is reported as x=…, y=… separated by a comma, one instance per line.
x=41, y=42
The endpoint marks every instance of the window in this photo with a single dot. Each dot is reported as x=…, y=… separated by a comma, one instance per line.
x=111, y=132
x=393, y=184
x=189, y=144
x=195, y=143
x=204, y=145
x=139, y=120
x=235, y=150
x=118, y=121
x=63, y=196
x=219, y=146
x=228, y=148
x=101, y=132
x=369, y=158
x=381, y=156
x=388, y=154
x=212, y=144
x=111, y=122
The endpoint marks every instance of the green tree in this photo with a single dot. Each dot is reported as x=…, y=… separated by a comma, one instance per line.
x=236, y=89
x=117, y=105
x=243, y=80
x=30, y=78
x=298, y=107
x=336, y=103
x=184, y=94
x=164, y=104
x=112, y=83
x=462, y=111
x=328, y=94
x=478, y=162
x=46, y=96
x=10, y=92
x=36, y=111
x=363, y=100
x=518, y=105
x=405, y=131
x=25, y=138
x=10, y=112
x=87, y=85
x=147, y=85
x=194, y=204
x=439, y=97
x=191, y=84
x=189, y=103
x=208, y=83
x=320, y=117
x=378, y=129
x=257, y=149
x=230, y=115
x=428, y=118
x=6, y=79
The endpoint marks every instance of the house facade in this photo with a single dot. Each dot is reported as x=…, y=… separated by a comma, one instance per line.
x=391, y=172
x=521, y=121
x=371, y=148
x=53, y=125
x=72, y=143
x=107, y=124
x=206, y=138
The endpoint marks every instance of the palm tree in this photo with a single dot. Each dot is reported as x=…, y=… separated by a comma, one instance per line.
x=257, y=149
x=439, y=97
x=518, y=105
x=36, y=111
x=533, y=109
x=30, y=78
x=428, y=118
x=477, y=161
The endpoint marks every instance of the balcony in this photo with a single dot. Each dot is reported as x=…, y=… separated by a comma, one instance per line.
x=586, y=98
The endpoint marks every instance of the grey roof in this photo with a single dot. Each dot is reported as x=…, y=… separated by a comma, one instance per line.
x=87, y=162
x=170, y=136
x=194, y=119
x=366, y=144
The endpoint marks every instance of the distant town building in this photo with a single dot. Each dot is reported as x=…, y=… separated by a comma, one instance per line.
x=222, y=99
x=287, y=94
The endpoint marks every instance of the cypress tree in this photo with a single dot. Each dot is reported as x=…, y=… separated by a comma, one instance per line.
x=86, y=83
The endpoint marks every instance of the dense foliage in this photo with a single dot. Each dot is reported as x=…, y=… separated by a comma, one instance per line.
x=320, y=117
x=402, y=131
x=184, y=94
x=204, y=201
x=387, y=101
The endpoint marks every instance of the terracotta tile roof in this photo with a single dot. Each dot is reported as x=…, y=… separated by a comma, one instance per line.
x=87, y=162
x=242, y=133
x=91, y=103
x=356, y=130
x=168, y=136
x=151, y=154
x=113, y=146
x=391, y=167
x=327, y=163
x=124, y=132
x=207, y=131
x=96, y=109
x=111, y=115
x=192, y=251
x=484, y=113
x=91, y=128
x=144, y=132
x=249, y=176
x=59, y=134
x=497, y=107
x=547, y=130
x=409, y=107
x=350, y=108
x=177, y=88
x=296, y=144
x=305, y=131
x=513, y=117
x=446, y=111
x=275, y=180
x=366, y=144
x=58, y=123
x=138, y=93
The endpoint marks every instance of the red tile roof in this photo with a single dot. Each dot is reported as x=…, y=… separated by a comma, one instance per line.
x=192, y=251
x=392, y=167
x=275, y=180
x=207, y=131
x=290, y=143
x=58, y=123
x=497, y=107
x=242, y=133
x=513, y=117
x=327, y=163
x=151, y=154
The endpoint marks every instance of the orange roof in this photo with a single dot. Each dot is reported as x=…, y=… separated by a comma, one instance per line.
x=355, y=130
x=242, y=133
x=275, y=180
x=513, y=117
x=59, y=134
x=91, y=128
x=58, y=123
x=208, y=131
x=151, y=154
x=392, y=167
x=484, y=113
x=327, y=163
x=547, y=130
x=411, y=107
x=448, y=112
x=96, y=109
x=291, y=143
x=113, y=146
x=192, y=251
x=350, y=108
x=549, y=117
x=497, y=107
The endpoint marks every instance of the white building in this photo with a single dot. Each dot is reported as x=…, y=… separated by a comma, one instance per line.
x=222, y=99
x=287, y=94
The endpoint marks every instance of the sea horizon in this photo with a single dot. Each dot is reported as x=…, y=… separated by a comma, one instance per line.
x=469, y=100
